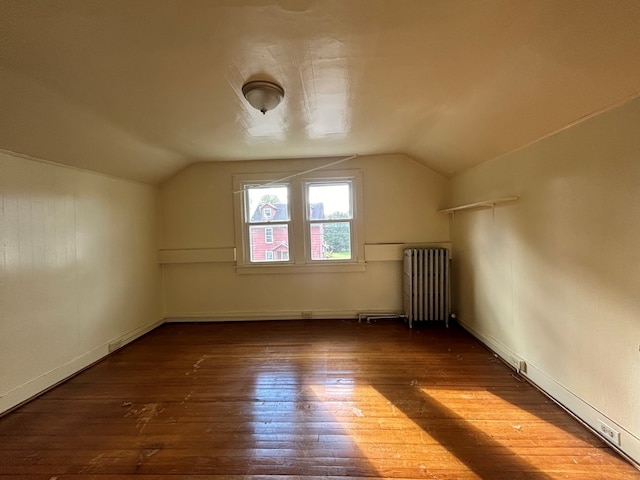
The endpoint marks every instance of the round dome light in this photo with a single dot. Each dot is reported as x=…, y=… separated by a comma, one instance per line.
x=263, y=95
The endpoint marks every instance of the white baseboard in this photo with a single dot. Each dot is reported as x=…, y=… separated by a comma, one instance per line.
x=255, y=315
x=587, y=414
x=57, y=375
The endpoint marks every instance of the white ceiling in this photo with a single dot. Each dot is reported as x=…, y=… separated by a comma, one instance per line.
x=141, y=88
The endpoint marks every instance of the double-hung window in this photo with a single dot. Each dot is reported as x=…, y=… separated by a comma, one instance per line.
x=267, y=222
x=329, y=218
x=303, y=222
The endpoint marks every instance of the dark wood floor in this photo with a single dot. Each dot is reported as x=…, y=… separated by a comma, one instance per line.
x=300, y=400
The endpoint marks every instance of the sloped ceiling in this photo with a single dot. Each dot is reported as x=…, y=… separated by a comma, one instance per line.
x=140, y=89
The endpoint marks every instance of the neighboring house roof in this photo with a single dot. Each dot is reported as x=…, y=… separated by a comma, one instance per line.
x=281, y=246
x=280, y=212
x=317, y=211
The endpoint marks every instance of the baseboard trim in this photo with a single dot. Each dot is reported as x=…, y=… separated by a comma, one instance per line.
x=584, y=412
x=249, y=316
x=34, y=388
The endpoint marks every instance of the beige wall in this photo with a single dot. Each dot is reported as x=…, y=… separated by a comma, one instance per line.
x=554, y=278
x=78, y=270
x=400, y=202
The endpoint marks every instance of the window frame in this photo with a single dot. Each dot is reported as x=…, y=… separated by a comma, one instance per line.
x=247, y=225
x=299, y=257
x=309, y=222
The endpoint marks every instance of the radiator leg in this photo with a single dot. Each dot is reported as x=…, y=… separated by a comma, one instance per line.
x=450, y=317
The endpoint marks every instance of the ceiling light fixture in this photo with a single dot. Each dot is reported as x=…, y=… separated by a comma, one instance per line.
x=262, y=95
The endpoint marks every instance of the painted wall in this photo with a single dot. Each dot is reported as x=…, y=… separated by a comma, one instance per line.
x=78, y=270
x=554, y=278
x=400, y=202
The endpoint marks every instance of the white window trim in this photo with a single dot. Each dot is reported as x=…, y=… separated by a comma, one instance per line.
x=307, y=182
x=299, y=256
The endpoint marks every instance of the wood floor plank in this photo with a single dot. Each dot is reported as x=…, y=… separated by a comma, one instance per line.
x=311, y=400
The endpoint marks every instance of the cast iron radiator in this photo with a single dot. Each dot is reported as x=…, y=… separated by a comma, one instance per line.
x=426, y=288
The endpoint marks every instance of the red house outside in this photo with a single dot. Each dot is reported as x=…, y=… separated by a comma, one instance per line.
x=270, y=243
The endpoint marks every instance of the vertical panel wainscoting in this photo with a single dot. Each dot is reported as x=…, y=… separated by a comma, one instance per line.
x=78, y=271
x=301, y=400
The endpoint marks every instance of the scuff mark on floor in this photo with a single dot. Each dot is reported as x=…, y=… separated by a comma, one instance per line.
x=145, y=414
x=150, y=452
x=94, y=464
x=198, y=364
x=186, y=399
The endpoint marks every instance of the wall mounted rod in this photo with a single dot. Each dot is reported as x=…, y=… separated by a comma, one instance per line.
x=315, y=169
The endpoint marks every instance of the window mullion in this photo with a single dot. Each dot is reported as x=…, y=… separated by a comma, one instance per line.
x=299, y=240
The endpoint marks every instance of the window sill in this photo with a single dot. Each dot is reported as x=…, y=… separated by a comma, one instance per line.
x=307, y=268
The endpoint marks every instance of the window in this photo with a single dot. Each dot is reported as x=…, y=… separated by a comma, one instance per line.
x=329, y=218
x=307, y=221
x=277, y=231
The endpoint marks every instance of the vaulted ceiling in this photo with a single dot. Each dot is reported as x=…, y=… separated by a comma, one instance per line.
x=141, y=88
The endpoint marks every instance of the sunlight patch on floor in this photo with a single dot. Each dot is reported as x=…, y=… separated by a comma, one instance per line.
x=382, y=432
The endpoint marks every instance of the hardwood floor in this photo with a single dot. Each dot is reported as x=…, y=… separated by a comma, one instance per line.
x=300, y=400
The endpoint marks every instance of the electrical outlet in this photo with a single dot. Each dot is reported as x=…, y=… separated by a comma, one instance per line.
x=522, y=366
x=610, y=433
x=307, y=315
x=519, y=364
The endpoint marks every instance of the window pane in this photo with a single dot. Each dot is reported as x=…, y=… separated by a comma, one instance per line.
x=330, y=241
x=268, y=204
x=329, y=201
x=269, y=244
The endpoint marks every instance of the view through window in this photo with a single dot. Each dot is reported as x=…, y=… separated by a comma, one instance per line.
x=328, y=221
x=329, y=217
x=269, y=221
